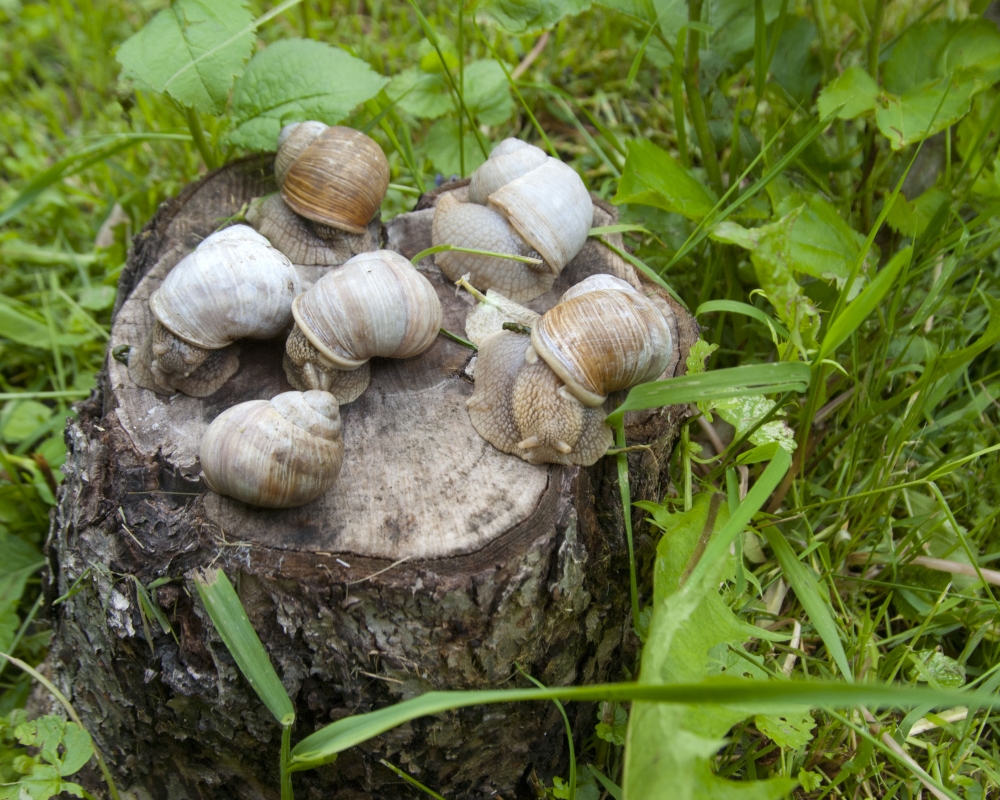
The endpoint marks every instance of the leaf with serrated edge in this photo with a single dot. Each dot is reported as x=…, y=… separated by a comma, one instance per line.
x=668, y=748
x=296, y=80
x=526, y=16
x=192, y=51
x=653, y=178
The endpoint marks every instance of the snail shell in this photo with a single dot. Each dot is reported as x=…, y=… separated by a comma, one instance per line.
x=601, y=340
x=543, y=400
x=547, y=209
x=332, y=175
x=521, y=407
x=276, y=453
x=377, y=304
x=299, y=239
x=234, y=285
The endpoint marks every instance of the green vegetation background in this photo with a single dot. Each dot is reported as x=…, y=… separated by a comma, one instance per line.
x=758, y=170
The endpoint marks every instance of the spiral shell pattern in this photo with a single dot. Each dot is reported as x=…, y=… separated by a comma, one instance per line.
x=377, y=304
x=603, y=340
x=234, y=285
x=338, y=177
x=276, y=453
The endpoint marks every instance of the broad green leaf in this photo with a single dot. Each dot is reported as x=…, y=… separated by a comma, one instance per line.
x=911, y=218
x=231, y=621
x=748, y=379
x=850, y=95
x=975, y=47
x=857, y=310
x=698, y=355
x=668, y=748
x=791, y=729
x=614, y=731
x=487, y=93
x=191, y=51
x=744, y=412
x=823, y=245
x=295, y=80
x=96, y=298
x=915, y=58
x=795, y=67
x=441, y=146
x=924, y=111
x=770, y=249
x=21, y=418
x=420, y=93
x=527, y=16
x=934, y=665
x=733, y=21
x=653, y=178
x=61, y=743
x=812, y=596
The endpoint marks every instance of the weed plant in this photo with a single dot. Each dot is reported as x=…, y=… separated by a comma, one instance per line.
x=817, y=179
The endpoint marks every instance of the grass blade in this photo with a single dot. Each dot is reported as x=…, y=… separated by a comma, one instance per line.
x=736, y=307
x=323, y=746
x=858, y=310
x=231, y=621
x=72, y=164
x=807, y=590
x=733, y=382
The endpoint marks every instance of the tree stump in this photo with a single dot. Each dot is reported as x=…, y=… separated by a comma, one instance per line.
x=435, y=562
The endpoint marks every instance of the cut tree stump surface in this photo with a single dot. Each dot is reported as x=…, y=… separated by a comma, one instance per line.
x=482, y=559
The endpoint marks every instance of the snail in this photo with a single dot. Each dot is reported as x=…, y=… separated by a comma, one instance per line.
x=524, y=203
x=377, y=304
x=543, y=400
x=332, y=182
x=234, y=285
x=276, y=453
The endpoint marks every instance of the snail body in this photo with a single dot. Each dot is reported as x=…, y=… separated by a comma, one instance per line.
x=332, y=182
x=234, y=285
x=542, y=399
x=547, y=213
x=377, y=304
x=276, y=453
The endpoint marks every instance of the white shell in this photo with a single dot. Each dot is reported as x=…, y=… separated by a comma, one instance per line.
x=233, y=286
x=551, y=209
x=509, y=160
x=277, y=454
x=547, y=210
x=377, y=304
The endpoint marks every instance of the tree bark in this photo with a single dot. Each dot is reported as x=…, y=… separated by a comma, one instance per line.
x=435, y=562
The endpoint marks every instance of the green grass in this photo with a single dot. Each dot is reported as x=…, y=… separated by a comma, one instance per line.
x=901, y=398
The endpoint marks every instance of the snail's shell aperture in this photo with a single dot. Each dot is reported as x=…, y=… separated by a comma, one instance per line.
x=377, y=304
x=276, y=453
x=603, y=340
x=234, y=285
x=337, y=176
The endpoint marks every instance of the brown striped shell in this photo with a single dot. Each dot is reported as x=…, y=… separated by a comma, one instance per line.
x=276, y=453
x=336, y=176
x=603, y=340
